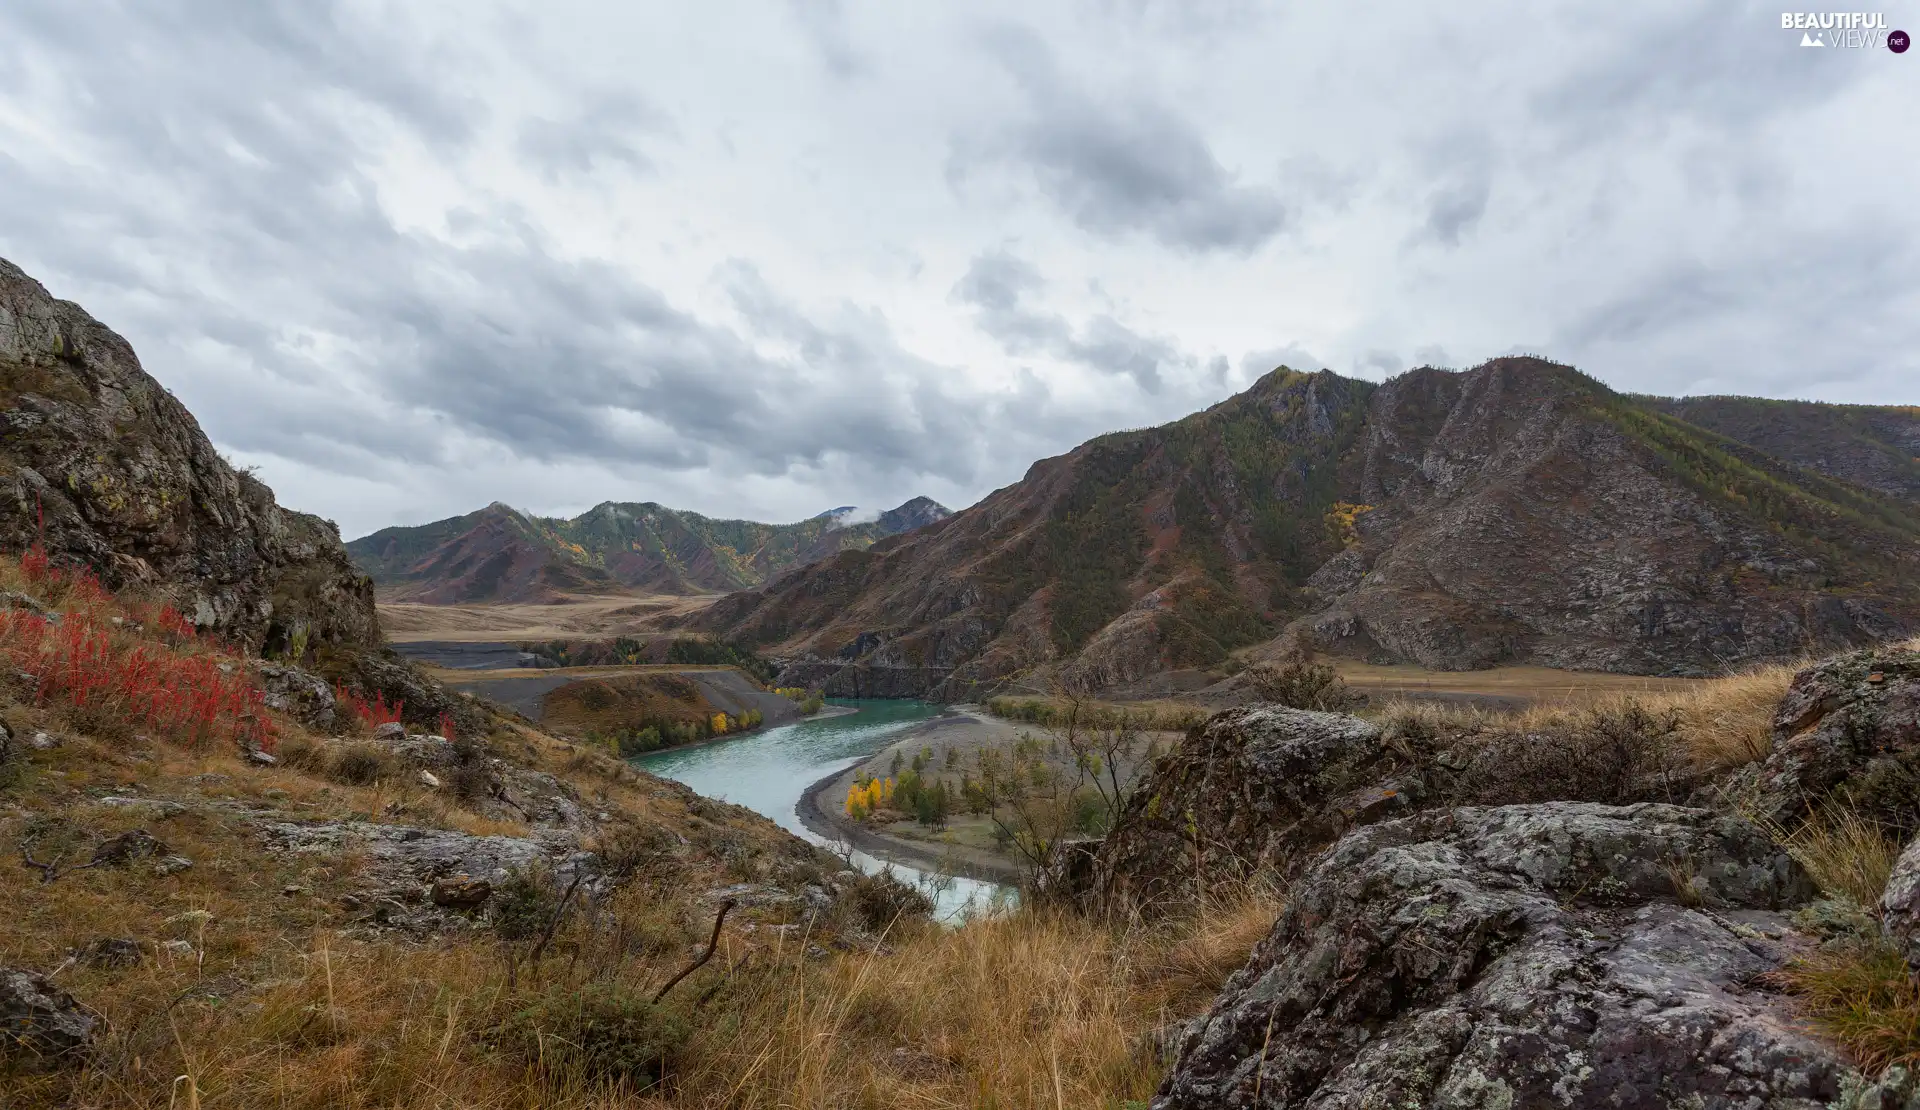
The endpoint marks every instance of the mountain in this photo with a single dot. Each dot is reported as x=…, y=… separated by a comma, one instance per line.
x=1876, y=446
x=103, y=468
x=1519, y=512
x=501, y=554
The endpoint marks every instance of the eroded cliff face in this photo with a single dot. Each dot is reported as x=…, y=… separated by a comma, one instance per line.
x=1522, y=513
x=105, y=469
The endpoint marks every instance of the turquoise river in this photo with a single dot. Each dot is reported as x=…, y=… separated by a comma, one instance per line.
x=768, y=771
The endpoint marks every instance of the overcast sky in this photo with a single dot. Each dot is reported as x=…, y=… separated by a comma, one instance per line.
x=765, y=259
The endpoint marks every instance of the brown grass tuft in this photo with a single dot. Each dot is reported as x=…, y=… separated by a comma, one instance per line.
x=1862, y=996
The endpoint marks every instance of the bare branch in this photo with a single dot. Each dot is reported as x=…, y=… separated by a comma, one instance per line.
x=713, y=943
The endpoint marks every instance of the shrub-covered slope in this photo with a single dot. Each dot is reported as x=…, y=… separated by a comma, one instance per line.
x=1875, y=446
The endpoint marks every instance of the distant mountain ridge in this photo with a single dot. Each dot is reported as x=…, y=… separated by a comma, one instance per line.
x=1519, y=512
x=500, y=554
x=1876, y=446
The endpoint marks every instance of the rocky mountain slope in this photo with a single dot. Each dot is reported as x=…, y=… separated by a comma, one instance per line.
x=1874, y=446
x=105, y=469
x=501, y=554
x=1519, y=512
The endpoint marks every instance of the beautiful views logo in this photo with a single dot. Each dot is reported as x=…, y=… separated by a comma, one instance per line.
x=1846, y=30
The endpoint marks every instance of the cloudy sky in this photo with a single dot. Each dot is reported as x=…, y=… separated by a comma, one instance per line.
x=761, y=259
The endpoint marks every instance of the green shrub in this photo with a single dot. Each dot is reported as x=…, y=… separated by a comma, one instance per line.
x=523, y=904
x=602, y=1032
x=1303, y=685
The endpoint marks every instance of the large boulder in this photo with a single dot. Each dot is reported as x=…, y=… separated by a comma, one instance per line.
x=1251, y=790
x=300, y=694
x=1848, y=723
x=107, y=470
x=41, y=1026
x=1563, y=954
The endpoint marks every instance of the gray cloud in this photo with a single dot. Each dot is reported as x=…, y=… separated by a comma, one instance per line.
x=997, y=286
x=609, y=132
x=357, y=249
x=824, y=23
x=1453, y=211
x=1127, y=166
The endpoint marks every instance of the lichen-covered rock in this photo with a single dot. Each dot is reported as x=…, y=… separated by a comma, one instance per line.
x=1563, y=954
x=1848, y=722
x=41, y=1026
x=300, y=694
x=1900, y=905
x=1252, y=789
x=421, y=880
x=104, y=467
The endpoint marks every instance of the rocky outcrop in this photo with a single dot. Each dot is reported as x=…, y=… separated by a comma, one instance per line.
x=1258, y=791
x=422, y=700
x=1565, y=954
x=1252, y=790
x=105, y=469
x=423, y=880
x=1849, y=723
x=1900, y=905
x=41, y=1026
x=300, y=694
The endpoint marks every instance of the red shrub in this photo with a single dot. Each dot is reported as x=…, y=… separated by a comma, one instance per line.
x=374, y=713
x=446, y=726
x=191, y=699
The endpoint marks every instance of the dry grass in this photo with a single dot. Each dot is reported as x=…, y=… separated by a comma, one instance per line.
x=1862, y=995
x=1026, y=1010
x=1845, y=854
x=1721, y=722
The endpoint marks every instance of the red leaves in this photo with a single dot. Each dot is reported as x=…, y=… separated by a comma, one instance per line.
x=189, y=698
x=80, y=586
x=374, y=713
x=446, y=726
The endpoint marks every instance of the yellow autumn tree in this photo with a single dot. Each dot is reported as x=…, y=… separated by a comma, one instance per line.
x=1342, y=522
x=719, y=724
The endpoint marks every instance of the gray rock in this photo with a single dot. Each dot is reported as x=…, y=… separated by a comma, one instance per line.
x=156, y=807
x=1520, y=956
x=300, y=694
x=134, y=844
x=1898, y=1089
x=111, y=952
x=390, y=733
x=1900, y=905
x=41, y=1026
x=172, y=865
x=1851, y=720
x=429, y=780
x=261, y=759
x=1264, y=787
x=43, y=741
x=407, y=856
x=422, y=750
